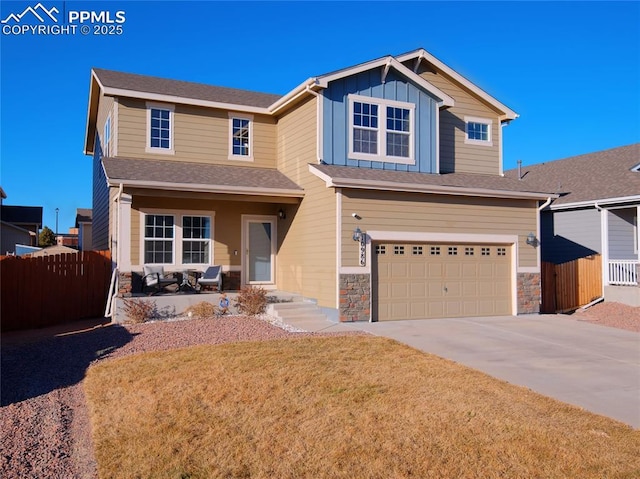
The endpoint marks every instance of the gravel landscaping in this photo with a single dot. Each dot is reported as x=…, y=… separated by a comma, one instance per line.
x=44, y=425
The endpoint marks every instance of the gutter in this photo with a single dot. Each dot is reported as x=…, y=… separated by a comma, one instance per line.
x=202, y=188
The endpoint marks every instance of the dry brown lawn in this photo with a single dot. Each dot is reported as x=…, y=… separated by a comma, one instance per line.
x=337, y=407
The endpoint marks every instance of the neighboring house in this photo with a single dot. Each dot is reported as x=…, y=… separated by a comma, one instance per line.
x=376, y=191
x=83, y=224
x=20, y=225
x=52, y=251
x=69, y=239
x=596, y=212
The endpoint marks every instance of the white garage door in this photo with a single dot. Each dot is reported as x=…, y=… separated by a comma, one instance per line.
x=441, y=280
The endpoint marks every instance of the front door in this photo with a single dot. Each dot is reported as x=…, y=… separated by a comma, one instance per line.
x=259, y=248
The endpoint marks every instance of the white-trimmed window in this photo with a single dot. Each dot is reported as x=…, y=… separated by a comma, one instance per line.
x=160, y=128
x=107, y=137
x=381, y=130
x=478, y=131
x=196, y=239
x=158, y=239
x=240, y=137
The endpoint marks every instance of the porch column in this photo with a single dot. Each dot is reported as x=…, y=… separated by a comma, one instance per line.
x=604, y=239
x=123, y=256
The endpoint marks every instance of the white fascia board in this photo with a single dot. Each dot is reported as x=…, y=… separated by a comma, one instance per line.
x=509, y=114
x=184, y=101
x=601, y=202
x=332, y=182
x=292, y=95
x=203, y=188
x=389, y=61
x=94, y=78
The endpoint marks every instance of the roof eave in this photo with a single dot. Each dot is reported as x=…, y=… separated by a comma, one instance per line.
x=507, y=113
x=121, y=92
x=92, y=113
x=388, y=61
x=335, y=182
x=204, y=188
x=621, y=200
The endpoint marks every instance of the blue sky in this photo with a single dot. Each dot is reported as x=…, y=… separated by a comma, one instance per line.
x=570, y=69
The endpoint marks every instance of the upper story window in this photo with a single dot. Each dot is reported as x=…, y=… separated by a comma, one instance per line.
x=381, y=130
x=107, y=137
x=240, y=137
x=478, y=131
x=160, y=128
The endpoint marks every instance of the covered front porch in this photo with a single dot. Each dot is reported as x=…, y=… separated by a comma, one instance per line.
x=228, y=216
x=621, y=257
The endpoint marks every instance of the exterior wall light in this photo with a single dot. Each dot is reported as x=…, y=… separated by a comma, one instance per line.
x=281, y=214
x=357, y=234
x=532, y=240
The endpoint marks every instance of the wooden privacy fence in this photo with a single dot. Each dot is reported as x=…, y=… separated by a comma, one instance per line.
x=50, y=290
x=568, y=286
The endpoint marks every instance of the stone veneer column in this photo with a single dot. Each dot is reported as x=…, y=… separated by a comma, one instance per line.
x=529, y=293
x=355, y=297
x=125, y=284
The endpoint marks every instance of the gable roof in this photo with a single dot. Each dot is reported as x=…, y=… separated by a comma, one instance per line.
x=127, y=84
x=465, y=184
x=602, y=177
x=22, y=215
x=83, y=215
x=421, y=54
x=204, y=177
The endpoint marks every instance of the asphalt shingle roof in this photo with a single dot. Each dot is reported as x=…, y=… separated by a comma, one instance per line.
x=184, y=89
x=459, y=180
x=594, y=176
x=197, y=174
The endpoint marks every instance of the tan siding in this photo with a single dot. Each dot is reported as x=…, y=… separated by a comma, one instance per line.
x=200, y=135
x=226, y=217
x=104, y=109
x=455, y=155
x=437, y=214
x=306, y=259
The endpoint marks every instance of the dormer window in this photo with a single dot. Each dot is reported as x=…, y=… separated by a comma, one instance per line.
x=240, y=137
x=381, y=130
x=160, y=128
x=478, y=131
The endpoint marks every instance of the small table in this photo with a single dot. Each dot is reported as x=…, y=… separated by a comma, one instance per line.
x=186, y=283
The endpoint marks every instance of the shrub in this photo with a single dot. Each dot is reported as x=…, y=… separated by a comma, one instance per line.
x=201, y=310
x=139, y=311
x=252, y=301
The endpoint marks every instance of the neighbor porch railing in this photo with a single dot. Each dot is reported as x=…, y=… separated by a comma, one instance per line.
x=623, y=272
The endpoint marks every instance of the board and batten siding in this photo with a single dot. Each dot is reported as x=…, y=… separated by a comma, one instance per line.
x=455, y=154
x=621, y=234
x=569, y=235
x=422, y=213
x=200, y=135
x=307, y=237
x=336, y=119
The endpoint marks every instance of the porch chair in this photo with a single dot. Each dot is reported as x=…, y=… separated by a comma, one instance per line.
x=155, y=277
x=213, y=275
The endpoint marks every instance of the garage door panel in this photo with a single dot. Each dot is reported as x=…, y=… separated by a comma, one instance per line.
x=442, y=280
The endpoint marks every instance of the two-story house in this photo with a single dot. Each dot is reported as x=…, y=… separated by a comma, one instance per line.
x=376, y=191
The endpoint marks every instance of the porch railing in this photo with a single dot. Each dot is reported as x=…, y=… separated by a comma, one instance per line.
x=623, y=272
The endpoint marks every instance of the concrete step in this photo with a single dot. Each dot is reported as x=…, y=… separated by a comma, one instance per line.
x=298, y=311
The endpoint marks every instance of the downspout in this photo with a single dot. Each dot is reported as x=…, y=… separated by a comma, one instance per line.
x=319, y=120
x=113, y=287
x=604, y=246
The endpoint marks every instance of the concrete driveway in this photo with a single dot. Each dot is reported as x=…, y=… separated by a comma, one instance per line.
x=591, y=366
